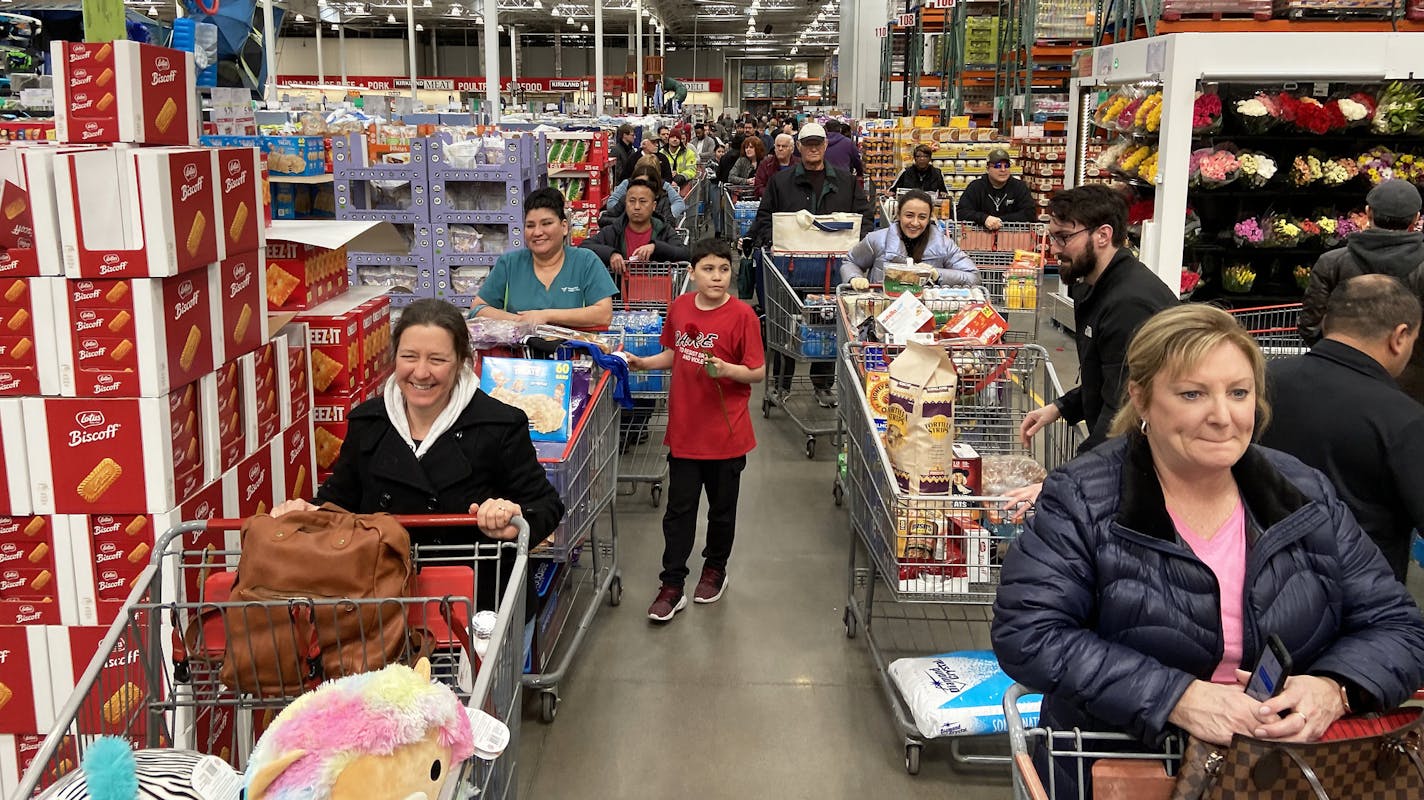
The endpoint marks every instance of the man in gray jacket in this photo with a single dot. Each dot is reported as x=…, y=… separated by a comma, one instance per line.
x=1390, y=246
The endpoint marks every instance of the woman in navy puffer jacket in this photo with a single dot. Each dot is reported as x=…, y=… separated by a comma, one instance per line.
x=1156, y=566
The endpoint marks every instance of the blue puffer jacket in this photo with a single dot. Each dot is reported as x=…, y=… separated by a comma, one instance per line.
x=1103, y=608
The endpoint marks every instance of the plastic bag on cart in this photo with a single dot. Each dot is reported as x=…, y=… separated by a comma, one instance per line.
x=958, y=694
x=490, y=333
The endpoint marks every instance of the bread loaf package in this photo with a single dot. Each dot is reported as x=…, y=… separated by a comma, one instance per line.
x=920, y=419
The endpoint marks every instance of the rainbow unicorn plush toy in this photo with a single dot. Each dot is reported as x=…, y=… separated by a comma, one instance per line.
x=385, y=735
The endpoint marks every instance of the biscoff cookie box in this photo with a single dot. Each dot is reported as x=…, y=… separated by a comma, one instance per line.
x=123, y=92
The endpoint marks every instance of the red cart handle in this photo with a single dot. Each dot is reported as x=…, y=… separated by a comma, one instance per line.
x=406, y=520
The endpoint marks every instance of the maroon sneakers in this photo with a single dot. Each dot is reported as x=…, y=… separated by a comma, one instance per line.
x=711, y=585
x=670, y=601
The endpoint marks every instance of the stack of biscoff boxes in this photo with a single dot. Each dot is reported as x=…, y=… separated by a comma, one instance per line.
x=140, y=385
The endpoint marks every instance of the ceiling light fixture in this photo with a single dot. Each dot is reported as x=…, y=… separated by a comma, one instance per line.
x=390, y=19
x=584, y=27
x=153, y=11
x=301, y=19
x=419, y=28
x=570, y=20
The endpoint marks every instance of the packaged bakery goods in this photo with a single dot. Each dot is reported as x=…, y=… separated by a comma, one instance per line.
x=541, y=389
x=1002, y=473
x=920, y=419
x=910, y=277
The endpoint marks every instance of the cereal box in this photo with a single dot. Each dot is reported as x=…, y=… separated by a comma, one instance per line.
x=540, y=389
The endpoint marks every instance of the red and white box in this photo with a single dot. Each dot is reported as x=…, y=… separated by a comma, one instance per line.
x=30, y=209
x=376, y=353
x=224, y=403
x=18, y=753
x=303, y=276
x=254, y=486
x=240, y=297
x=298, y=461
x=14, y=463
x=119, y=698
x=24, y=672
x=329, y=414
x=27, y=551
x=109, y=554
x=136, y=212
x=299, y=393
x=204, y=551
x=29, y=336
x=239, y=178
x=139, y=337
x=114, y=456
x=123, y=92
x=335, y=330
x=268, y=381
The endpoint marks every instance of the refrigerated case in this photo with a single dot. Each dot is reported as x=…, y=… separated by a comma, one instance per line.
x=1182, y=65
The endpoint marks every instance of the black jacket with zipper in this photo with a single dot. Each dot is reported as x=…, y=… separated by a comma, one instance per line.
x=610, y=240
x=791, y=190
x=1106, y=314
x=1011, y=202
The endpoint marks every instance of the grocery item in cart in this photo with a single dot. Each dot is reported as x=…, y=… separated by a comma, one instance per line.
x=541, y=389
x=920, y=419
x=979, y=322
x=958, y=694
x=911, y=277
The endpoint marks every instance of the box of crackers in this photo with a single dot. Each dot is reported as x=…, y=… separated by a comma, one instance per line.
x=265, y=380
x=124, y=92
x=329, y=415
x=25, y=695
x=29, y=227
x=336, y=331
x=137, y=212
x=376, y=353
x=29, y=336
x=298, y=460
x=299, y=390
x=34, y=586
x=108, y=554
x=240, y=297
x=114, y=455
x=256, y=484
x=139, y=337
x=302, y=276
x=238, y=172
x=541, y=389
x=19, y=751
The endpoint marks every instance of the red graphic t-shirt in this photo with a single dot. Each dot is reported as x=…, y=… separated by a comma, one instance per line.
x=703, y=423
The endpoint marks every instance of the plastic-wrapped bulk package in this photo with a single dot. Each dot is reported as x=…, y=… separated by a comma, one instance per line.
x=958, y=694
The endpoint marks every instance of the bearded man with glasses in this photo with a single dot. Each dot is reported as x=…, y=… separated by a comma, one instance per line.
x=1113, y=294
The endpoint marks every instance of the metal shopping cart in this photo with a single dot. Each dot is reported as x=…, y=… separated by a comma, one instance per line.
x=936, y=558
x=1275, y=328
x=801, y=324
x=147, y=684
x=1014, y=290
x=648, y=288
x=1075, y=751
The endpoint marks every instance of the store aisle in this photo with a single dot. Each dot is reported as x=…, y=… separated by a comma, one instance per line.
x=758, y=695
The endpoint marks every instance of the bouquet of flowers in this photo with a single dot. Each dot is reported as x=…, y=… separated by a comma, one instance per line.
x=1377, y=164
x=1132, y=159
x=1257, y=169
x=1147, y=170
x=1310, y=115
x=1400, y=110
x=1259, y=113
x=1113, y=154
x=1302, y=277
x=1346, y=225
x=1309, y=230
x=1307, y=169
x=1191, y=229
x=1107, y=113
x=1409, y=167
x=1128, y=115
x=1338, y=171
x=1358, y=109
x=1206, y=114
x=1249, y=233
x=1148, y=118
x=1283, y=231
x=1191, y=278
x=1238, y=278
x=1328, y=225
x=1213, y=167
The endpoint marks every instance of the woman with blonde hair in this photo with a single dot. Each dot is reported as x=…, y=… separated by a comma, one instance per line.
x=1157, y=565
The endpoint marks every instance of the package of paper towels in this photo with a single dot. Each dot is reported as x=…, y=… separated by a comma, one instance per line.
x=958, y=694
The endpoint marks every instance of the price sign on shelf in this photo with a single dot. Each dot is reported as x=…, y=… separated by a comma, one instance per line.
x=882, y=31
x=906, y=20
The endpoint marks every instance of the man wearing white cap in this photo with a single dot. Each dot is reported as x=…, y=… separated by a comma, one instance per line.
x=814, y=186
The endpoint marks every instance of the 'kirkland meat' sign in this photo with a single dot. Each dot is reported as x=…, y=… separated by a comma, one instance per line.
x=477, y=84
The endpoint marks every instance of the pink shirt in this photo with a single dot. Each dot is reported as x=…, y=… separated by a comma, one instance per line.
x=1225, y=554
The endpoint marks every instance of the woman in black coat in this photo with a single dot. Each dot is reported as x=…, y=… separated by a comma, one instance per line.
x=436, y=444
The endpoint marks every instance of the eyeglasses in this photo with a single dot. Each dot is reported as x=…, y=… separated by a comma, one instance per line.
x=1062, y=241
x=1000, y=164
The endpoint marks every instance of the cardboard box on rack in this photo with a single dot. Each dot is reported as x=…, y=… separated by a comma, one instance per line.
x=115, y=455
x=124, y=92
x=299, y=391
x=137, y=212
x=240, y=294
x=27, y=552
x=376, y=354
x=140, y=337
x=225, y=399
x=298, y=460
x=24, y=671
x=266, y=385
x=328, y=415
x=255, y=485
x=306, y=259
x=29, y=336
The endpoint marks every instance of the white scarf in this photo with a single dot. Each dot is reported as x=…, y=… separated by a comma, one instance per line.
x=466, y=384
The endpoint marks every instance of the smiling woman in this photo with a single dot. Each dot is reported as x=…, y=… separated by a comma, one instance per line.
x=914, y=237
x=547, y=282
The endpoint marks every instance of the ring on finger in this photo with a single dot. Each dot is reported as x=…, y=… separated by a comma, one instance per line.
x=1303, y=715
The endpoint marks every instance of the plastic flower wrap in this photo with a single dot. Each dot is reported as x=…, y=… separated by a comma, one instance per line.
x=1147, y=170
x=1344, y=226
x=1190, y=279
x=1306, y=169
x=1132, y=159
x=1339, y=171
x=1358, y=109
x=1214, y=168
x=1260, y=113
x=1377, y=164
x=1191, y=229
x=1126, y=117
x=1257, y=169
x=1153, y=102
x=1309, y=230
x=1248, y=233
x=1284, y=232
x=1399, y=110
x=1108, y=111
x=1302, y=276
x=1206, y=114
x=1409, y=167
x=1113, y=154
x=1238, y=278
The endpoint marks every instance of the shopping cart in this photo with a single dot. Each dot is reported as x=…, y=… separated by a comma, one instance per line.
x=1075, y=752
x=1011, y=236
x=147, y=684
x=936, y=558
x=1013, y=291
x=801, y=327
x=1275, y=328
x=648, y=288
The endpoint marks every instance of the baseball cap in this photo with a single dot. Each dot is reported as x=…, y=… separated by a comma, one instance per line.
x=811, y=130
x=998, y=154
x=1394, y=198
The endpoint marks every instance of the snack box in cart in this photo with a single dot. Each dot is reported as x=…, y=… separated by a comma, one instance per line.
x=29, y=337
x=114, y=455
x=138, y=211
x=123, y=92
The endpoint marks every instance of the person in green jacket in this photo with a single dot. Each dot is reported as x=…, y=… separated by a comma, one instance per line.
x=682, y=157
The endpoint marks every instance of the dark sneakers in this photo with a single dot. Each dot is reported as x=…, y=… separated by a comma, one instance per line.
x=670, y=601
x=711, y=586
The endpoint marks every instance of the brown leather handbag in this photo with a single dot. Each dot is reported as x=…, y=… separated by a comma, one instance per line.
x=1385, y=763
x=316, y=597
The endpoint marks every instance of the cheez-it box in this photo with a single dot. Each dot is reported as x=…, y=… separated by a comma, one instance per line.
x=138, y=337
x=335, y=330
x=123, y=92
x=114, y=456
x=24, y=679
x=303, y=276
x=329, y=419
x=240, y=295
x=137, y=212
x=239, y=178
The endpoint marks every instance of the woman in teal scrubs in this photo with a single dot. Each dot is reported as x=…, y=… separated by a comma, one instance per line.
x=547, y=282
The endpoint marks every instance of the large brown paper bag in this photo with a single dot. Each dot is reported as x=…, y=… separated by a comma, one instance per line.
x=919, y=434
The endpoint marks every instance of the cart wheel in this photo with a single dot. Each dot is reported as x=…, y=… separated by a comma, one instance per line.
x=615, y=591
x=849, y=620
x=810, y=447
x=912, y=758
x=838, y=492
x=549, y=708
x=765, y=407
x=656, y=495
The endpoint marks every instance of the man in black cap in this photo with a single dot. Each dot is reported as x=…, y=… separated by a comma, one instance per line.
x=998, y=197
x=1389, y=246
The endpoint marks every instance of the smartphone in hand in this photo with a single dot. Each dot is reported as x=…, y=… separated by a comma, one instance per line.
x=1272, y=670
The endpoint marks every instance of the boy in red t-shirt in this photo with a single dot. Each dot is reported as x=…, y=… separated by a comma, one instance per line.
x=712, y=343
